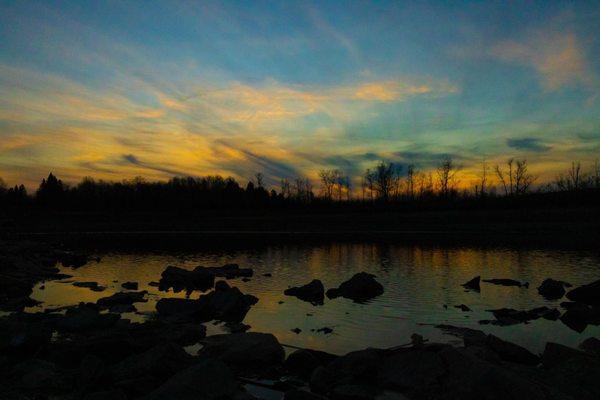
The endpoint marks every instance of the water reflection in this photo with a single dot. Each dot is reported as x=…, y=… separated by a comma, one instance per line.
x=418, y=282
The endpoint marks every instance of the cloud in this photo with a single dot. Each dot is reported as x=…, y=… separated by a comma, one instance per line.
x=558, y=57
x=131, y=159
x=528, y=144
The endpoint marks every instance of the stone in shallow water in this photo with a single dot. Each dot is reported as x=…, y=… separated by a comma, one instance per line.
x=473, y=284
x=361, y=287
x=313, y=292
x=588, y=294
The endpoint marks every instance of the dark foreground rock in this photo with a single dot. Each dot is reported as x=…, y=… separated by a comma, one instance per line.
x=253, y=352
x=506, y=282
x=361, y=287
x=182, y=279
x=313, y=292
x=208, y=379
x=552, y=289
x=122, y=298
x=588, y=294
x=473, y=284
x=579, y=315
x=130, y=285
x=303, y=362
x=94, y=286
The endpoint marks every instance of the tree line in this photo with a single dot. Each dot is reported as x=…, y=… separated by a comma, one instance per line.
x=387, y=184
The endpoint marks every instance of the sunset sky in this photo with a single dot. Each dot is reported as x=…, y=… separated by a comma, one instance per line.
x=119, y=89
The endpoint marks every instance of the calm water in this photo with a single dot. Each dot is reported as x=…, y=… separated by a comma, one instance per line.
x=418, y=281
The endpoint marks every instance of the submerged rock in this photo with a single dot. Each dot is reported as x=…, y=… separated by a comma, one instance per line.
x=473, y=284
x=303, y=362
x=506, y=282
x=230, y=271
x=361, y=287
x=463, y=307
x=578, y=316
x=552, y=290
x=588, y=294
x=247, y=352
x=228, y=303
x=510, y=316
x=313, y=292
x=511, y=352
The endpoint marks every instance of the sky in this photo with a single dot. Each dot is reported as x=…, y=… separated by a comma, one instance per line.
x=120, y=89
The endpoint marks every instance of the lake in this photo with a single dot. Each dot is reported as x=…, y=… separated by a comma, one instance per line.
x=418, y=280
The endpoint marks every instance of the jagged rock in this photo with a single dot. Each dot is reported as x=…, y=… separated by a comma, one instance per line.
x=106, y=394
x=588, y=294
x=23, y=338
x=72, y=259
x=471, y=337
x=130, y=285
x=161, y=361
x=326, y=330
x=37, y=375
x=506, y=282
x=90, y=285
x=122, y=308
x=591, y=346
x=248, y=352
x=411, y=369
x=361, y=287
x=552, y=289
x=303, y=362
x=313, y=292
x=91, y=372
x=122, y=298
x=228, y=303
x=511, y=352
x=473, y=284
x=578, y=316
x=208, y=380
x=180, y=279
x=236, y=327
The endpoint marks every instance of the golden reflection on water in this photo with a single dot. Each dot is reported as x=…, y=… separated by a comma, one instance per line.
x=418, y=281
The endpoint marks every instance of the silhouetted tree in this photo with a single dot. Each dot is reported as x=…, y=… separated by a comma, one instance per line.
x=446, y=174
x=383, y=180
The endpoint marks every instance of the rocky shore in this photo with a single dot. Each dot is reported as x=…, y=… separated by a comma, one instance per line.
x=90, y=352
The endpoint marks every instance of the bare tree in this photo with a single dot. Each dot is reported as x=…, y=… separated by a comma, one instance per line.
x=446, y=175
x=260, y=180
x=596, y=175
x=481, y=187
x=515, y=179
x=369, y=179
x=410, y=181
x=286, y=191
x=523, y=179
x=384, y=179
x=329, y=180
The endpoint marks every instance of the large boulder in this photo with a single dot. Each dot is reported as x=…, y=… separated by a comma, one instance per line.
x=184, y=309
x=85, y=317
x=588, y=294
x=248, y=352
x=207, y=379
x=511, y=352
x=303, y=362
x=228, y=303
x=360, y=287
x=552, y=289
x=411, y=369
x=313, y=292
x=579, y=315
x=159, y=362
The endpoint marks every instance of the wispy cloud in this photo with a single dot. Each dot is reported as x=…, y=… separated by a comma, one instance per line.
x=528, y=144
x=558, y=57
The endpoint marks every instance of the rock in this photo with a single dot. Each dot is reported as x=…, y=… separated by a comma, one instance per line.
x=23, y=338
x=551, y=289
x=91, y=372
x=303, y=362
x=106, y=394
x=591, y=346
x=180, y=279
x=228, y=303
x=313, y=292
x=230, y=271
x=130, y=285
x=247, y=352
x=557, y=354
x=463, y=307
x=473, y=284
x=506, y=282
x=588, y=294
x=357, y=367
x=296, y=330
x=471, y=337
x=90, y=285
x=326, y=330
x=578, y=316
x=237, y=327
x=122, y=298
x=85, y=317
x=207, y=380
x=511, y=352
x=71, y=259
x=184, y=309
x=246, y=279
x=297, y=394
x=510, y=316
x=122, y=308
x=268, y=275
x=360, y=287
x=153, y=284
x=353, y=392
x=159, y=362
x=37, y=375
x=552, y=314
x=411, y=369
